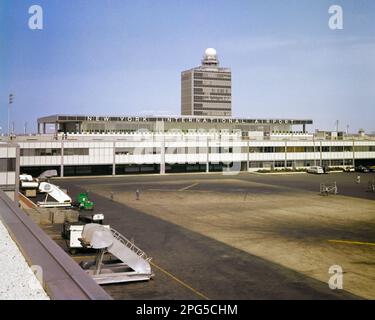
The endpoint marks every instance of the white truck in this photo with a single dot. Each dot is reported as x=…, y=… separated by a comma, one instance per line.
x=28, y=185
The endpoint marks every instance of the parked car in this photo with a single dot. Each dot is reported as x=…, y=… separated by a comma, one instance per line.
x=315, y=169
x=349, y=169
x=362, y=169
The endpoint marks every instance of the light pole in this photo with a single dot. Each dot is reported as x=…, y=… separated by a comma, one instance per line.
x=11, y=96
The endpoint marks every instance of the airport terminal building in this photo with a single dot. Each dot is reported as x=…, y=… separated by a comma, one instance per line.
x=93, y=145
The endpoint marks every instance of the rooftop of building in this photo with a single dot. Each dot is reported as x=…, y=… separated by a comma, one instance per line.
x=202, y=119
x=210, y=62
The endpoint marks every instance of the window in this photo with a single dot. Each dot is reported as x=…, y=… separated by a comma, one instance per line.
x=156, y=151
x=280, y=149
x=202, y=150
x=256, y=164
x=221, y=149
x=50, y=152
x=171, y=150
x=337, y=149
x=268, y=149
x=289, y=149
x=337, y=162
x=309, y=149
x=124, y=151
x=7, y=164
x=40, y=152
x=26, y=152
x=226, y=150
x=365, y=148
x=76, y=151
x=279, y=164
x=299, y=149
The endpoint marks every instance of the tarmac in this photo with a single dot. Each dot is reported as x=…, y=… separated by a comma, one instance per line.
x=250, y=236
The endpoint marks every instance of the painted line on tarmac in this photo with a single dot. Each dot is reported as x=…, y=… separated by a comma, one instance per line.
x=180, y=281
x=188, y=187
x=353, y=242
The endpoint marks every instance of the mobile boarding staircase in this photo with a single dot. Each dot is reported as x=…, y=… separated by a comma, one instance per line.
x=62, y=199
x=132, y=265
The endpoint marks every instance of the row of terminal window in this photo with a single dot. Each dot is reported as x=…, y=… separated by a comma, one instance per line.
x=172, y=150
x=182, y=150
x=300, y=163
x=54, y=152
x=311, y=149
x=127, y=151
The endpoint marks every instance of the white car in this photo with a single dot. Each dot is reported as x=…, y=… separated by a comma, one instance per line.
x=315, y=169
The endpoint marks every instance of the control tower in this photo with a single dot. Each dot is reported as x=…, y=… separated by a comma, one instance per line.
x=207, y=90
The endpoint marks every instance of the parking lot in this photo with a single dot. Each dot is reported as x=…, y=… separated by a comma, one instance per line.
x=247, y=236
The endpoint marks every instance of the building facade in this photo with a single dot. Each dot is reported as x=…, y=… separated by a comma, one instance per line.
x=81, y=154
x=9, y=169
x=207, y=89
x=98, y=145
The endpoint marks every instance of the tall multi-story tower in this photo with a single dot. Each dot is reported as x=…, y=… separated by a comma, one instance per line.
x=207, y=90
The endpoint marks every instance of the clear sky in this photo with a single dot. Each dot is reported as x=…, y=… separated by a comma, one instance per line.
x=120, y=57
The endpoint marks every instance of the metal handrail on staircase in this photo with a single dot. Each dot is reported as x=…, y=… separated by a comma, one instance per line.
x=118, y=236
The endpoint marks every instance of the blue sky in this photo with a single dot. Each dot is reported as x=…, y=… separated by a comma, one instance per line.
x=119, y=57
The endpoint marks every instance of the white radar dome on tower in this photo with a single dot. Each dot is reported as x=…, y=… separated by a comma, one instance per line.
x=210, y=52
x=210, y=58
